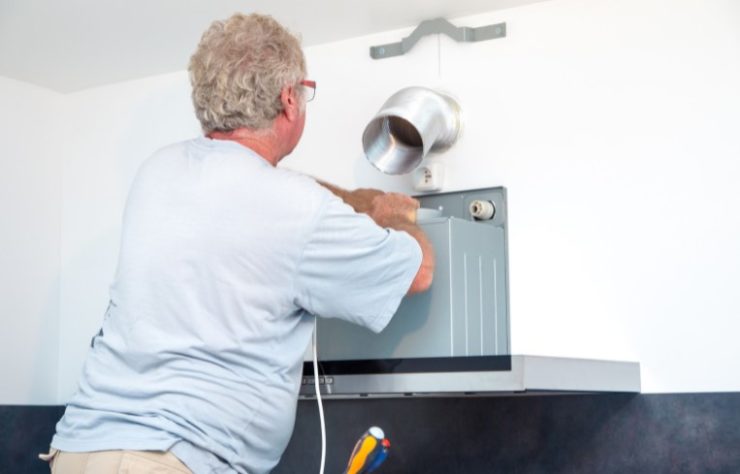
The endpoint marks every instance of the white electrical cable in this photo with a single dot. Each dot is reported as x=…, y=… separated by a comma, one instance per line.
x=318, y=396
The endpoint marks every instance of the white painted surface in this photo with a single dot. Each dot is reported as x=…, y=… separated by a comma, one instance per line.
x=29, y=243
x=616, y=133
x=613, y=124
x=71, y=45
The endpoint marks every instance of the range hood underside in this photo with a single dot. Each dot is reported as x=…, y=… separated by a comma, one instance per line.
x=521, y=375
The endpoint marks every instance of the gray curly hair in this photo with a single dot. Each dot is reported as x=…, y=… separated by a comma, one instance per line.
x=239, y=69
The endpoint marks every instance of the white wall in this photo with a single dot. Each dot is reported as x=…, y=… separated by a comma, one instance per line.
x=613, y=124
x=29, y=243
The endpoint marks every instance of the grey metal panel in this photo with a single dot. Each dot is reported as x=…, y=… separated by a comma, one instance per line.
x=474, y=311
x=474, y=248
x=445, y=321
x=496, y=276
x=458, y=296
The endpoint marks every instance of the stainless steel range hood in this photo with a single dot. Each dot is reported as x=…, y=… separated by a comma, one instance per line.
x=455, y=338
x=501, y=375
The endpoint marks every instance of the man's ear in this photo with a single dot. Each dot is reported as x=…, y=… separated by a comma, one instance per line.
x=290, y=103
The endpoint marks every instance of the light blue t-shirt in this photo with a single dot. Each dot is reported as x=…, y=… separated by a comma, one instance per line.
x=224, y=259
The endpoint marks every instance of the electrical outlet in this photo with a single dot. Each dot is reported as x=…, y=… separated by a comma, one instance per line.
x=429, y=177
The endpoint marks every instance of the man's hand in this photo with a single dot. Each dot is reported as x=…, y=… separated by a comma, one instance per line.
x=390, y=209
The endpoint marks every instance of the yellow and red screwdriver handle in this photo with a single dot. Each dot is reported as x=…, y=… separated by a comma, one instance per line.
x=369, y=453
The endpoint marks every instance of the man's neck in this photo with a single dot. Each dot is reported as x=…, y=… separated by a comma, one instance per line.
x=263, y=143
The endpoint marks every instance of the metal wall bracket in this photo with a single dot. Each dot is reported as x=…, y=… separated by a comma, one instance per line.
x=438, y=25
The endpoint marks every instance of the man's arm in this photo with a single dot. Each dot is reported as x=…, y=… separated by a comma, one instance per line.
x=360, y=199
x=395, y=211
x=423, y=279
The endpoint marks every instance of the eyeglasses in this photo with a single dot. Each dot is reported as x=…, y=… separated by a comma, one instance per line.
x=310, y=89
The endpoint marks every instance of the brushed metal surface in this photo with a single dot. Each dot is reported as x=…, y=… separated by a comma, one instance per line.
x=528, y=375
x=410, y=124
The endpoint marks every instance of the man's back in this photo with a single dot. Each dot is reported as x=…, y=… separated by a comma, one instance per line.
x=222, y=258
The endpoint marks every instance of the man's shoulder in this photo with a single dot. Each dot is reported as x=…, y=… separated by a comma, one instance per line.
x=165, y=154
x=301, y=187
x=176, y=148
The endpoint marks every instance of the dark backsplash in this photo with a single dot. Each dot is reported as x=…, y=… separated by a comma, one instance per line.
x=614, y=433
x=25, y=431
x=589, y=434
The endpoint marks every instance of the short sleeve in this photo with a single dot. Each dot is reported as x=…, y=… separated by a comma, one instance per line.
x=354, y=270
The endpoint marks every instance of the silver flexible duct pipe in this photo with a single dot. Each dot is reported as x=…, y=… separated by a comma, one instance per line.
x=411, y=123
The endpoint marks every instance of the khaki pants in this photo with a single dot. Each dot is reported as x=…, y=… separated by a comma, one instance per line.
x=115, y=462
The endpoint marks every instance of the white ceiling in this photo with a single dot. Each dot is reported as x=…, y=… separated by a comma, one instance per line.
x=69, y=45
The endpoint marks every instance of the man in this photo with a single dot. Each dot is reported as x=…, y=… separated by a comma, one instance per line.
x=225, y=259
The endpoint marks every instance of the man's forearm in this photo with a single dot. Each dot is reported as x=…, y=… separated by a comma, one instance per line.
x=336, y=190
x=361, y=200
x=424, y=276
